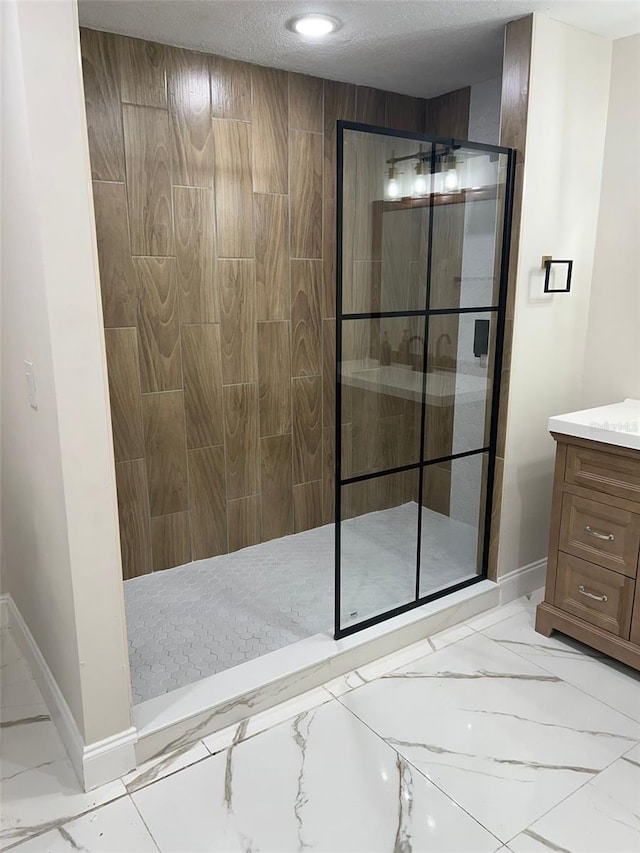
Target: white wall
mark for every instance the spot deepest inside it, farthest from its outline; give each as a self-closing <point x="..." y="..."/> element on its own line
<point x="567" y="115"/>
<point x="60" y="547"/>
<point x="612" y="363"/>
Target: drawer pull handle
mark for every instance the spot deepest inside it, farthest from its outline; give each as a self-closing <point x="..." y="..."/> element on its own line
<point x="583" y="591"/>
<point x="609" y="537"/>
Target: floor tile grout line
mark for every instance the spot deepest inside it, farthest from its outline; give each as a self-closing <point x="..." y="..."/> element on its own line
<point x="417" y="769"/>
<point x="146" y="825"/>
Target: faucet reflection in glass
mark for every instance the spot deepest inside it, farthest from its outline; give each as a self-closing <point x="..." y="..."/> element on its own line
<point x="415" y="354"/>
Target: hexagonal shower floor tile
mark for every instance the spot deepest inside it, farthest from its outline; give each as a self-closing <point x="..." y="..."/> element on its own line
<point x="199" y="619"/>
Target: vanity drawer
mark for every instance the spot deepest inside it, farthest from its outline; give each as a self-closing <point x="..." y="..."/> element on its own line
<point x="605" y="472"/>
<point x="600" y="533"/>
<point x="594" y="594"/>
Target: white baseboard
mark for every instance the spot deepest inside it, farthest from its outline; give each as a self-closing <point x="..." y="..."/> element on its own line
<point x="96" y="763"/>
<point x="522" y="581"/>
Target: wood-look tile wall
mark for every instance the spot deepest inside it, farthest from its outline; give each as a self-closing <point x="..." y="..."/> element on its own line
<point x="214" y="192"/>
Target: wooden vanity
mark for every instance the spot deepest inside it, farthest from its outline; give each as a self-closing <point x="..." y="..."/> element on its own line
<point x="593" y="590"/>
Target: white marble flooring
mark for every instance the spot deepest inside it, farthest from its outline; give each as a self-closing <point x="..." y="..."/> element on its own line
<point x="486" y="737"/>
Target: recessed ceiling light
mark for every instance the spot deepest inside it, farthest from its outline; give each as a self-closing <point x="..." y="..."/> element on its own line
<point x="314" y="26"/>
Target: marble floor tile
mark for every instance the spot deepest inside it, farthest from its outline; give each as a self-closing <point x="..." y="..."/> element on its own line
<point x="164" y="765"/>
<point x="264" y="720"/>
<point x="598" y="675"/>
<point x="322" y="781"/>
<point x="502" y="737"/>
<point x="526" y="603"/>
<point x="602" y="816"/>
<point x="114" y="828"/>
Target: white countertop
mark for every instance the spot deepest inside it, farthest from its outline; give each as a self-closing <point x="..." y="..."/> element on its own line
<point x="618" y="424"/>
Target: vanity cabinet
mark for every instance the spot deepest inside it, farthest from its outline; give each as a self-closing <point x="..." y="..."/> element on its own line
<point x="592" y="591"/>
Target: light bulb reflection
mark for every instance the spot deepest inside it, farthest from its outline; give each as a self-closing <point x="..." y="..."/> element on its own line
<point x="451" y="180"/>
<point x="393" y="188"/>
<point x="420" y="185"/>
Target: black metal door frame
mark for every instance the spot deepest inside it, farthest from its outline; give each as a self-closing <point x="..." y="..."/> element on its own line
<point x="419" y="466"/>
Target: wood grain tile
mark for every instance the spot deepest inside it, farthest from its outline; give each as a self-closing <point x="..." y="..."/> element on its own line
<point x="269" y="119"/>
<point x="190" y="116"/>
<point x="170" y="541"/>
<point x="208" y="504"/>
<point x="230" y="89"/>
<point x="305" y="103"/>
<point x="158" y="326"/>
<point x="117" y="276"/>
<point x="276" y="497"/>
<point x="306" y="394"/>
<point x="102" y="104"/>
<point x="272" y="256"/>
<point x="329" y="259"/>
<point x="234" y="194"/>
<point x="165" y="451"/>
<point x="195" y="255"/>
<point x="243" y="522"/>
<point x="306" y="331"/>
<point x="403" y="112"/>
<point x="143" y="79"/>
<point x="448" y="115"/>
<point x="515" y="85"/>
<point x="133" y="513"/>
<point x="339" y="103"/>
<point x="201" y="361"/>
<point x="238" y="325"/>
<point x="124" y="393"/>
<point x="370" y="106"/>
<point x="241" y="440"/>
<point x="146" y="144"/>
<point x="274" y="372"/>
<point x="306" y="194"/>
<point x="307" y="506"/>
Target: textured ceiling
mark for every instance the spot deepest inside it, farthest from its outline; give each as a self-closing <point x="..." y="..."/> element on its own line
<point x="417" y="47"/>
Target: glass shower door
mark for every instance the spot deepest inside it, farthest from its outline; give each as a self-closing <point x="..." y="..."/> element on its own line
<point x="421" y="278"/>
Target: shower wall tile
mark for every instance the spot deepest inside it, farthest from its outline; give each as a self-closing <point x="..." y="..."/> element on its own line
<point x="238" y="323"/>
<point x="339" y="103"/>
<point x="234" y="193"/>
<point x="276" y="485"/>
<point x="148" y="162"/>
<point x="124" y="393"/>
<point x="269" y="118"/>
<point x="329" y="259"/>
<point x="274" y="372"/>
<point x="306" y="393"/>
<point x="243" y="522"/>
<point x="195" y="255"/>
<point x="170" y="541"/>
<point x="403" y="112"/>
<point x="165" y="451"/>
<point x="230" y="88"/>
<point x="143" y="78"/>
<point x="306" y="323"/>
<point x="133" y="511"/>
<point x="307" y="506"/>
<point x="208" y="502"/>
<point x="102" y="102"/>
<point x="272" y="256"/>
<point x="117" y="276"/>
<point x="190" y="116"/>
<point x="306" y="194"/>
<point x="241" y="440"/>
<point x="305" y="103"/>
<point x="370" y="105"/>
<point x="158" y="325"/>
<point x="448" y="115"/>
<point x="215" y="215"/>
<point x="203" y="401"/>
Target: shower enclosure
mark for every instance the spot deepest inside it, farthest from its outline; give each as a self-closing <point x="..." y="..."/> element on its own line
<point x="422" y="249"/>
